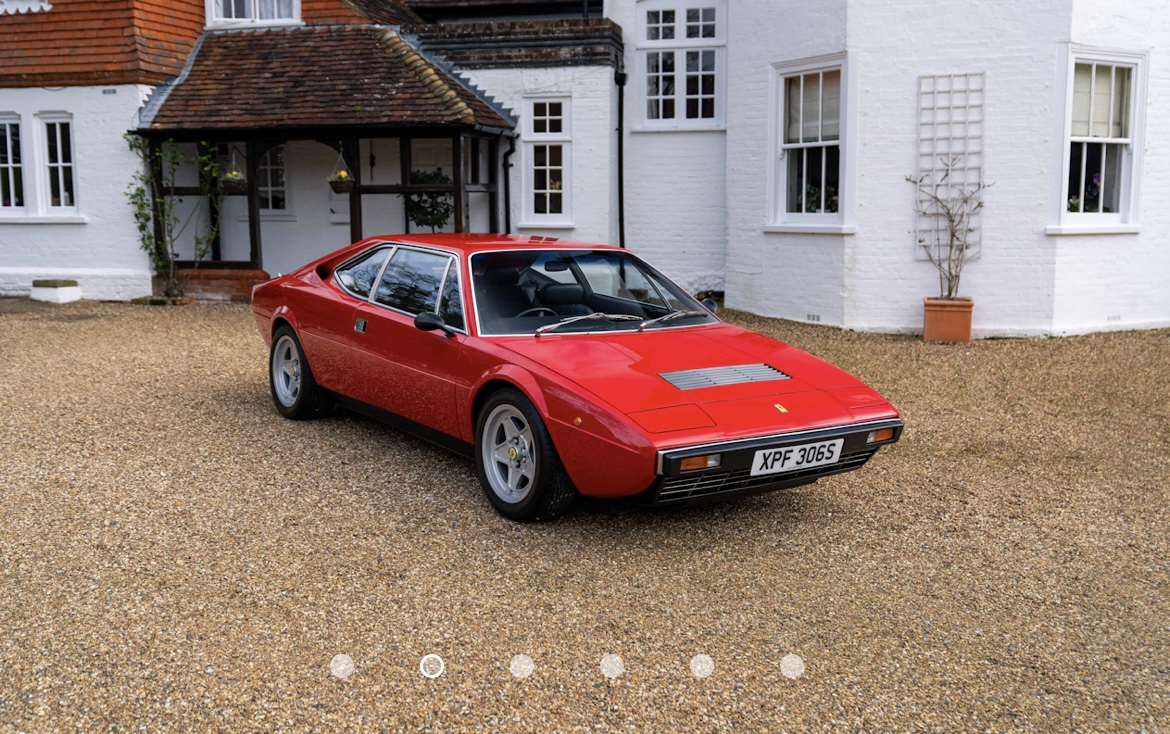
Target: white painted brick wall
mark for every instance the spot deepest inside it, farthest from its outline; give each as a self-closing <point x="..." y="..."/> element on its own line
<point x="100" y="250"/>
<point x="1027" y="281"/>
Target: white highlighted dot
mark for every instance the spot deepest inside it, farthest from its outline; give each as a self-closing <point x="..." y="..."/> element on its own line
<point x="612" y="666"/>
<point x="521" y="666"/>
<point x="431" y="666"/>
<point x="341" y="666"/>
<point x="702" y="666"/>
<point x="792" y="666"/>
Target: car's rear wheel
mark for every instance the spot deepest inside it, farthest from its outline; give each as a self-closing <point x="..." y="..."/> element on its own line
<point x="294" y="391"/>
<point x="518" y="466"/>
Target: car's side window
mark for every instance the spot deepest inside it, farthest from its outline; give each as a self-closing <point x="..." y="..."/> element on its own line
<point x="451" y="305"/>
<point x="358" y="276"/>
<point x="412" y="280"/>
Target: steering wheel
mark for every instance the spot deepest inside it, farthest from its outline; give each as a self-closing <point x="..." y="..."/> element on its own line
<point x="536" y="311"/>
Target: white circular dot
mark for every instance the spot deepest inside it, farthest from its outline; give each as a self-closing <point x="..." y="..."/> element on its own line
<point x="431" y="666"/>
<point x="702" y="666"/>
<point x="341" y="666"/>
<point x="612" y="666"/>
<point x="792" y="666"/>
<point x="521" y="666"/>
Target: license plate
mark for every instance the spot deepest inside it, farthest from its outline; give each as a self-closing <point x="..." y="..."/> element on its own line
<point x="792" y="458"/>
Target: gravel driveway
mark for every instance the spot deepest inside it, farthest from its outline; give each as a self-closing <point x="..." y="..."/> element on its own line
<point x="175" y="556"/>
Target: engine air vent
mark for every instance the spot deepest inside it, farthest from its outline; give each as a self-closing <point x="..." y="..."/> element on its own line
<point x="715" y="376"/>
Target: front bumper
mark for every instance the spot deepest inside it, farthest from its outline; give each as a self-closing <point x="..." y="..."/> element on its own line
<point x="733" y="477"/>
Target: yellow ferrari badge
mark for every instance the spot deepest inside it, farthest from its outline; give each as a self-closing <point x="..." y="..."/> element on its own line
<point x="780" y="408"/>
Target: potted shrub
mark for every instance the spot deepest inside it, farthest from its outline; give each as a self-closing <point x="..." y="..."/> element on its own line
<point x="947" y="206"/>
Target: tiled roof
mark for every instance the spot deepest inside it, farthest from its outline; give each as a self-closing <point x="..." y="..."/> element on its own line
<point x="383" y="12"/>
<point x="529" y="43"/>
<point x="90" y="42"/>
<point x="312" y="77"/>
<point x="456" y="9"/>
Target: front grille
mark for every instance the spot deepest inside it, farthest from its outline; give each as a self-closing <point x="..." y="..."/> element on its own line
<point x="680" y="489"/>
<point x="730" y="375"/>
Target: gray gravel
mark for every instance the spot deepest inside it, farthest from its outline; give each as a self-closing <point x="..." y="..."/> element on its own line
<point x="175" y="556"/>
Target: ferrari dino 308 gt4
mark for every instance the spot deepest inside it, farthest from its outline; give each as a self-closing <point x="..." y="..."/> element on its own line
<point x="561" y="367"/>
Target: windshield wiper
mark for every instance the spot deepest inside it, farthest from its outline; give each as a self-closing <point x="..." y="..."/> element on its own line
<point x="587" y="317"/>
<point x="670" y="317"/>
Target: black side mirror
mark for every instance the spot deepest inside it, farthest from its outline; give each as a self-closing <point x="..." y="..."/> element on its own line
<point x="431" y="321"/>
<point x="711" y="305"/>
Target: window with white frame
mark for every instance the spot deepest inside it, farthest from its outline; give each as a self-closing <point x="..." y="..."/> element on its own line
<point x="681" y="63"/>
<point x="547" y="154"/>
<point x="270" y="181"/>
<point x="810" y="186"/>
<point x="11" y="169"/>
<point x="257" y="12"/>
<point x="62" y="186"/>
<point x="1100" y="138"/>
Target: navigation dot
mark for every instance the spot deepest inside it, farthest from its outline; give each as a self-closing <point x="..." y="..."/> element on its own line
<point x="702" y="666"/>
<point x="431" y="666"/>
<point x="612" y="666"/>
<point x="521" y="666"/>
<point x="792" y="666"/>
<point x="341" y="666"/>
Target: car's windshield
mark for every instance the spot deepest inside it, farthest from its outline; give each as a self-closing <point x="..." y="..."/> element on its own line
<point x="523" y="291"/>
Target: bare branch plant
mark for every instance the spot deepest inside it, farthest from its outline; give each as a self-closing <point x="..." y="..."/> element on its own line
<point x="951" y="207"/>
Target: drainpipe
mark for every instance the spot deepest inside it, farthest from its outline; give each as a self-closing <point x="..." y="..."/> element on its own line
<point x="508" y="186"/>
<point x="619" y="78"/>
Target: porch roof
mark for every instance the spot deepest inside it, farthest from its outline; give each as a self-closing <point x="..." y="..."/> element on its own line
<point x="313" y="77"/>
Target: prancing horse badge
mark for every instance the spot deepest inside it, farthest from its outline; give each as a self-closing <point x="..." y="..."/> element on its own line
<point x="780" y="408"/>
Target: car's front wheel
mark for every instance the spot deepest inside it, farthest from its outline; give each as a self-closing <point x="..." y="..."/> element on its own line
<point x="517" y="463"/>
<point x="294" y="391"/>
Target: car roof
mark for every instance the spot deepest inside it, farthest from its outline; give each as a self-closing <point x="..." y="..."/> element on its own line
<point x="469" y="244"/>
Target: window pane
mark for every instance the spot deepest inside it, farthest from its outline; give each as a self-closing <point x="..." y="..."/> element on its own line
<point x="792" y="109"/>
<point x="539" y="125"/>
<point x="51" y="139"/>
<point x="1082" y="88"/>
<point x="358" y="277"/>
<point x="831" y="106"/>
<point x="451" y="306"/>
<point x="1121" y="102"/>
<point x="66" y="143"/>
<point x="555" y="125"/>
<point x="554" y="204"/>
<point x="810" y="128"/>
<point x="540" y="179"/>
<point x="411" y="282"/>
<point x="540" y="203"/>
<point x="554" y="155"/>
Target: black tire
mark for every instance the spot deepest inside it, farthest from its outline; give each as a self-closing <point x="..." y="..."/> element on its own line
<point x="294" y="391"/>
<point x="517" y="463"/>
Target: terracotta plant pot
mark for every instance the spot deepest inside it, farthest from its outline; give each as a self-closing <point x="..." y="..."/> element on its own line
<point x="341" y="187"/>
<point x="947" y="320"/>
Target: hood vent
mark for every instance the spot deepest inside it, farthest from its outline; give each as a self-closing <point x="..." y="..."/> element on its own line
<point x="716" y="376"/>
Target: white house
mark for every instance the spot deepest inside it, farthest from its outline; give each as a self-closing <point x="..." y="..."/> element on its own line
<point x="758" y="147"/>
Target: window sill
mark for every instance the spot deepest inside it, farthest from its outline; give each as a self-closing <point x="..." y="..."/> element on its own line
<point x="711" y="128"/>
<point x="1075" y="229"/>
<point x="811" y="228"/>
<point x="273" y="217"/>
<point x="219" y="25"/>
<point x="50" y="219"/>
<point x="546" y="225"/>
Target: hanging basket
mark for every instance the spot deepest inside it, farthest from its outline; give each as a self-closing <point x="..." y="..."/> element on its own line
<point x="234" y="182"/>
<point x="341" y="180"/>
<point x="234" y="186"/>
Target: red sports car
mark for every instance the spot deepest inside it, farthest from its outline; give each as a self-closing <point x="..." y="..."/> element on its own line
<point x="561" y="367"/>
